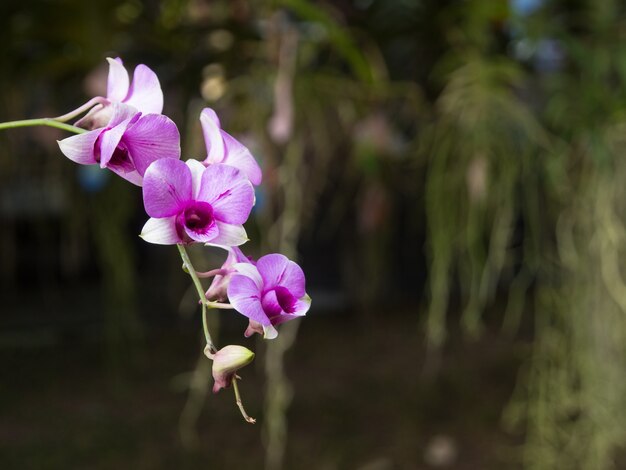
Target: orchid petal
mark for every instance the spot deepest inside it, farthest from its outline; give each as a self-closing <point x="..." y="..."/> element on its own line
<point x="250" y="271"/>
<point x="239" y="256"/>
<point x="279" y="320"/>
<point x="239" y="156"/>
<point x="302" y="306"/>
<point x="229" y="235"/>
<point x="228" y="191"/>
<point x="80" y="148"/>
<point x="269" y="332"/>
<point x="270" y="304"/>
<point x="166" y="187"/>
<point x="121" y="112"/>
<point x="212" y="136"/>
<point x="129" y="175"/>
<point x="117" y="83"/>
<point x="203" y="236"/>
<point x="161" y="231"/>
<point x="243" y="294"/>
<point x="197" y="169"/>
<point x="97" y="117"/>
<point x="151" y="138"/>
<point x="145" y="92"/>
<point x="109" y="141"/>
<point x="278" y="270"/>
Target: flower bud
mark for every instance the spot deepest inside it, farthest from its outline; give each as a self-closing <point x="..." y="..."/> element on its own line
<point x="226" y="362"/>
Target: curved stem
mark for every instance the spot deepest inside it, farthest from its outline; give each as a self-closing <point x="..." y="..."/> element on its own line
<point x="196" y="281"/>
<point x="213" y="272"/>
<point x="240" y="404"/>
<point x="41" y="122"/>
<point x="80" y="110"/>
<point x="218" y="305"/>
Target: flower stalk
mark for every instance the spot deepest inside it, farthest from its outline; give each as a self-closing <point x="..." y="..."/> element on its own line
<point x="51" y="122"/>
<point x="196" y="282"/>
<point x="80" y="110"/>
<point x="248" y="419"/>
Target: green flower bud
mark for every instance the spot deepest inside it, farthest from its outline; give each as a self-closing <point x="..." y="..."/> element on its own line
<point x="226" y="362"/>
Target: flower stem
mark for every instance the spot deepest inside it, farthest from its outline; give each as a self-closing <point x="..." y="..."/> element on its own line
<point x="240" y="404"/>
<point x="196" y="281"/>
<point x="213" y="272"/>
<point x="41" y="122"/>
<point x="80" y="110"/>
<point x="218" y="305"/>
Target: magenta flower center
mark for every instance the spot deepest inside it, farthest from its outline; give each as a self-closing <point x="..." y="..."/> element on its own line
<point x="197" y="217"/>
<point x="285" y="301"/>
<point x="121" y="159"/>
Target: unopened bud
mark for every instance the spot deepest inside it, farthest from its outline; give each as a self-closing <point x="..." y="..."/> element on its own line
<point x="226" y="362"/>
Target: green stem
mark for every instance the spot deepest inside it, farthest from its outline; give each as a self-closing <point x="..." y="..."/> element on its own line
<point x="212" y="304"/>
<point x="240" y="403"/>
<point x="196" y="282"/>
<point x="41" y="122"/>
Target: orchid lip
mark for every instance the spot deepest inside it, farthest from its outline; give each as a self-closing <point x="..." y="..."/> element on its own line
<point x="197" y="217"/>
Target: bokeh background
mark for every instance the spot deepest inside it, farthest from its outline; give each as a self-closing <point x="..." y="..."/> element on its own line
<point x="451" y="176"/>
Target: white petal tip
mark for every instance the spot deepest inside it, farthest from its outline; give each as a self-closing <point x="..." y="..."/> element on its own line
<point x="269" y="332"/>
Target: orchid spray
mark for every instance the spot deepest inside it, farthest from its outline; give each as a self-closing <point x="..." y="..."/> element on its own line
<point x="192" y="202"/>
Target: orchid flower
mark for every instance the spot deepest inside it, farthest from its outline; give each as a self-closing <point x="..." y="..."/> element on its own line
<point x="127" y="145"/>
<point x="223" y="148"/>
<point x="268" y="293"/>
<point x="217" y="289"/>
<point x="143" y="94"/>
<point x="188" y="203"/>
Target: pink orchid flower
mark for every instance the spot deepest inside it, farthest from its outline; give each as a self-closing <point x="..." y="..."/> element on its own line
<point x="223" y="148"/>
<point x="190" y="203"/>
<point x="268" y="293"/>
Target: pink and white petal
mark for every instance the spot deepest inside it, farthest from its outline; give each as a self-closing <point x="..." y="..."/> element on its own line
<point x="243" y="295"/>
<point x="239" y="156"/>
<point x="131" y="176"/>
<point x="302" y="306"/>
<point x="145" y="92"/>
<point x="121" y="112"/>
<point x="117" y="83"/>
<point x="269" y="332"/>
<point x="240" y="257"/>
<point x="251" y="272"/>
<point x="109" y="140"/>
<point x="270" y="304"/>
<point x="228" y="191"/>
<point x="196" y="169"/>
<point x="212" y="136"/>
<point x="279" y="320"/>
<point x="151" y="138"/>
<point x="229" y="235"/>
<point x="80" y="148"/>
<point x="273" y="268"/>
<point x="293" y="279"/>
<point x="97" y="117"/>
<point x="166" y="187"/>
<point x="278" y="270"/>
<point x="203" y="237"/>
<point x="161" y="231"/>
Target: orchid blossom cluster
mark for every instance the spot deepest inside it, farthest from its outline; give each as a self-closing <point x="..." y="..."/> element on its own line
<point x="188" y="202"/>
